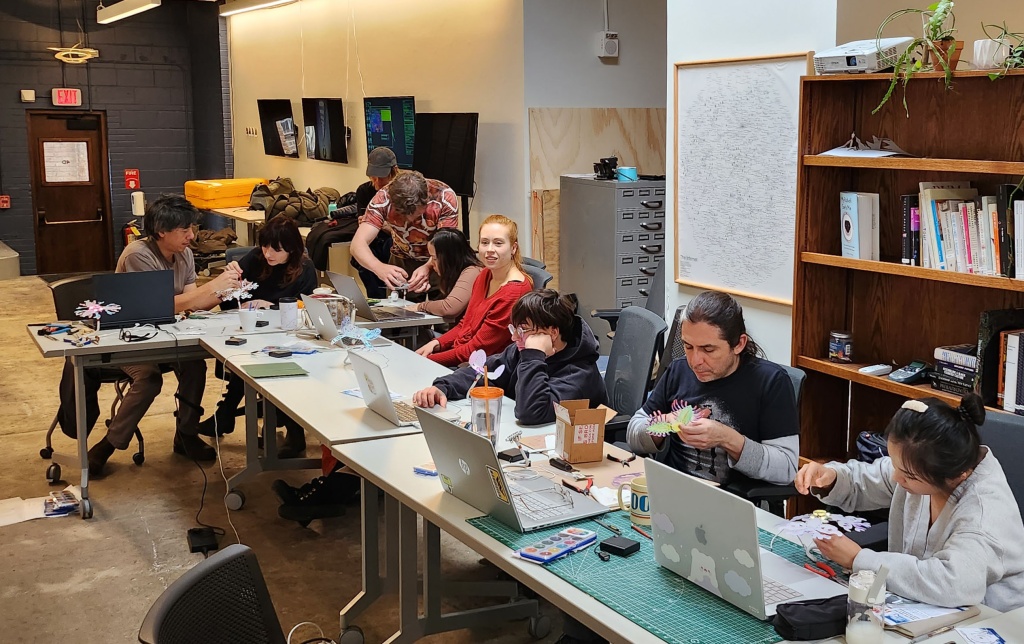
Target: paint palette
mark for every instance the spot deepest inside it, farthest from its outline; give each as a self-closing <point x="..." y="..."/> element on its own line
<point x="558" y="545"/>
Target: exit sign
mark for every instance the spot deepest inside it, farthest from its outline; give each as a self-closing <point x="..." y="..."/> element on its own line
<point x="66" y="97"/>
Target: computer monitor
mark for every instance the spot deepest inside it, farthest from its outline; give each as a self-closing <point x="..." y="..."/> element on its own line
<point x="280" y="135"/>
<point x="324" y="122"/>
<point x="446" y="149"/>
<point x="391" y="122"/>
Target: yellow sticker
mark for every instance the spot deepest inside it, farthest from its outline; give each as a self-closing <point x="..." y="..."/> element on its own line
<point x="447" y="484"/>
<point x="499" y="485"/>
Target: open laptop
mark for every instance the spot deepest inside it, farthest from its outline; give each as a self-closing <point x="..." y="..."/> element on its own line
<point x="323" y="322"/>
<point x="709" y="536"/>
<point x="146" y="297"/>
<point x="377" y="396"/>
<point x="469" y="469"/>
<point x="346" y="285"/>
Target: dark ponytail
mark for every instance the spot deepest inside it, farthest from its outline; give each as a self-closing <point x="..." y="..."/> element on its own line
<point x="720" y="310"/>
<point x="940" y="443"/>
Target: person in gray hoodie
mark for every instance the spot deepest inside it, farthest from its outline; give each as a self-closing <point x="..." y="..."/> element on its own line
<point x="552" y="356"/>
<point x="955" y="531"/>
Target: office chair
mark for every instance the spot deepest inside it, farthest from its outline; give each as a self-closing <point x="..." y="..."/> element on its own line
<point x="655" y="294"/>
<point x="529" y="261"/>
<point x="630" y="363"/>
<point x="538" y="276"/>
<point x="236" y="253"/>
<point x="222" y="600"/>
<point x="67" y="295"/>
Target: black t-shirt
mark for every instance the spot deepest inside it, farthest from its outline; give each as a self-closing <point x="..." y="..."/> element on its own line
<point x="756" y="400"/>
<point x="364" y="194"/>
<point x="272" y="288"/>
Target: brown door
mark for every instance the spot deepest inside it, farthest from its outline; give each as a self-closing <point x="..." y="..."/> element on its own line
<point x="70" y="191"/>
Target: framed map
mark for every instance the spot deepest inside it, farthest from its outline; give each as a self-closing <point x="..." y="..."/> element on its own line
<point x="736" y="164"/>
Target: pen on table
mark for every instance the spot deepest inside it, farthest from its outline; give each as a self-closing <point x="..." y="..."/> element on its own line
<point x="611" y="527"/>
<point x="642" y="532"/>
<point x="937" y="631"/>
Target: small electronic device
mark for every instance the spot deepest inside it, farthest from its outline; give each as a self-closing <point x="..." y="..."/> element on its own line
<point x="202" y="540"/>
<point x="604" y="555"/>
<point x="512" y="455"/>
<point x="278" y="353"/>
<point x="260" y="323"/>
<point x="914" y="372"/>
<point x="558" y="545"/>
<point x="560" y="463"/>
<point x="235" y="342"/>
<point x="620" y="546"/>
<point x="876" y="370"/>
<point x="861" y="56"/>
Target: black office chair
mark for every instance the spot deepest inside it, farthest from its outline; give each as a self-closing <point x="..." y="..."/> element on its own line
<point x="236" y="253"/>
<point x="538" y="276"/>
<point x="770" y="496"/>
<point x="529" y="261"/>
<point x="654" y="303"/>
<point x="630" y="363"/>
<point x="67" y="295"/>
<point x="222" y="600"/>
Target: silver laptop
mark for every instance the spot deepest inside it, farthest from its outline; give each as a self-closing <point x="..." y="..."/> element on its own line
<point x="322" y="320"/>
<point x="346" y="285"/>
<point x="709" y="536"/>
<point x="520" y="498"/>
<point x="378" y="397"/>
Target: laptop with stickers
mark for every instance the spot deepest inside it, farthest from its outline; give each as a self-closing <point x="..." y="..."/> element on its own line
<point x="520" y="497"/>
<point x="709" y="536"/>
<point x="346" y="285"/>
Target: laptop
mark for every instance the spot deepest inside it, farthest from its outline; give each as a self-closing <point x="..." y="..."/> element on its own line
<point x="469" y="469"/>
<point x="375" y="391"/>
<point x="346" y="285"/>
<point x="146" y="297"/>
<point x="709" y="536"/>
<point x="323" y="322"/>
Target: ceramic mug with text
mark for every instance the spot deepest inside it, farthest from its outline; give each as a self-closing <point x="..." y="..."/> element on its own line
<point x="639" y="506"/>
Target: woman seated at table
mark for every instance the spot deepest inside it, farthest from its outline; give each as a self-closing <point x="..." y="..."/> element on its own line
<point x="955" y="532"/>
<point x="553" y="357"/>
<point x="457" y="266"/>
<point x="496" y="289"/>
<point x="280" y="269"/>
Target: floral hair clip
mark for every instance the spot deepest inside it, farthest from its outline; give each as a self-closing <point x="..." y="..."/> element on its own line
<point x="915" y="405"/>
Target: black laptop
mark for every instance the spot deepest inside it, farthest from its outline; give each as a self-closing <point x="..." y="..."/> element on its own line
<point x="146" y="297"/>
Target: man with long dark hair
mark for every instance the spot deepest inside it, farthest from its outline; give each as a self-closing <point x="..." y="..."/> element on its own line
<point x="745" y="415"/>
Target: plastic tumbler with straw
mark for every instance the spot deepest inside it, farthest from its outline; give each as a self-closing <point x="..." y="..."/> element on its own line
<point x="486" y="410"/>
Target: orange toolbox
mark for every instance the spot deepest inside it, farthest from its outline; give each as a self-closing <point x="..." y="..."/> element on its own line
<point x="220" y="193"/>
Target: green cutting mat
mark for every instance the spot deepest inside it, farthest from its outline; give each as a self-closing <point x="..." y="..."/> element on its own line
<point x="672" y="608"/>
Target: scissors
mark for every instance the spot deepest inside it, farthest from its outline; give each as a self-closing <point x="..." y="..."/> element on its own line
<point x="826" y="571"/>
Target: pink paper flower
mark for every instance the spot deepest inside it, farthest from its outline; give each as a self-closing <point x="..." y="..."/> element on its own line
<point x="94" y="309"/>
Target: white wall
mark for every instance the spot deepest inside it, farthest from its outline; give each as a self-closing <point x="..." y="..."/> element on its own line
<point x="452" y="55"/>
<point x="701" y="30"/>
<point x="562" y="67"/>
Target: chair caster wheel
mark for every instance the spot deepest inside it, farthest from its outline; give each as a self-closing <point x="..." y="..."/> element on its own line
<point x="46" y="453"/>
<point x="235" y="500"/>
<point x="53" y="473"/>
<point x="539" y="627"/>
<point x="86" y="508"/>
<point x="138" y="458"/>
<point x="352" y="635"/>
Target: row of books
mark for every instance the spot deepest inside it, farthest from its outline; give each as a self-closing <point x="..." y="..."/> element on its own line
<point x="947" y="226"/>
<point x="1010" y="394"/>
<point x="956" y="369"/>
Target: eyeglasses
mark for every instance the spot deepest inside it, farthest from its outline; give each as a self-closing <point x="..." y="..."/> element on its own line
<point x="520" y="331"/>
<point x="137" y="333"/>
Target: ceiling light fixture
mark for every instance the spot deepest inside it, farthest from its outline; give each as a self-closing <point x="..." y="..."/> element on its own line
<point x="123" y="9"/>
<point x="241" y="6"/>
<point x="75" y="55"/>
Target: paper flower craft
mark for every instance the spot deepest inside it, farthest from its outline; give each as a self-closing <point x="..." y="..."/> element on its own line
<point x="819" y="525"/>
<point x="478" y="361"/>
<point x="93" y="309"/>
<point x="350" y="335"/>
<point x="243" y="292"/>
<point x="665" y="424"/>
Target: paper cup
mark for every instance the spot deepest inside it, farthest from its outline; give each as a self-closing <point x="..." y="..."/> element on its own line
<point x="247" y="319"/>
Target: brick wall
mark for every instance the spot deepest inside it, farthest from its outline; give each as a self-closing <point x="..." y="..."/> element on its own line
<point x="143" y="80"/>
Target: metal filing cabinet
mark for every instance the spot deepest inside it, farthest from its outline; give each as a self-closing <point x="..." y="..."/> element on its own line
<point x="612" y="237"/>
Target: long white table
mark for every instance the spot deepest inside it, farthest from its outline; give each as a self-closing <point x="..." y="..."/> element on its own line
<point x="388" y="465"/>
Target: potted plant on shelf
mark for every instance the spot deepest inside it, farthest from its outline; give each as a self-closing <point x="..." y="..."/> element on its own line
<point x="935" y="49"/>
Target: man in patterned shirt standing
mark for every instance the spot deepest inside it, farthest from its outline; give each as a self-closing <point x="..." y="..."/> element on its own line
<point x="413" y="208"/>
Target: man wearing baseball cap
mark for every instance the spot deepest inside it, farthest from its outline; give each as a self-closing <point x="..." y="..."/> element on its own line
<point x="413" y="207"/>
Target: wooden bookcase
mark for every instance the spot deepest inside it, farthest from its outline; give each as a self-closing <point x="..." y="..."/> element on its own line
<point x="896" y="313"/>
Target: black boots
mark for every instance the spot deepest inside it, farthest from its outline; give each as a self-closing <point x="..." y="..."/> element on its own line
<point x="98" y="456"/>
<point x="193" y="447"/>
<point x="323" y="497"/>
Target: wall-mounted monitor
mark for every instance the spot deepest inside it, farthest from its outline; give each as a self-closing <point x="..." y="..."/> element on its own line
<point x="324" y="122"/>
<point x="391" y="122"/>
<point x="280" y="135"/>
<point x="446" y="149"/>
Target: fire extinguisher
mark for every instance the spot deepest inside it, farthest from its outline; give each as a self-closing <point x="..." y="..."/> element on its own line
<point x="130" y="232"/>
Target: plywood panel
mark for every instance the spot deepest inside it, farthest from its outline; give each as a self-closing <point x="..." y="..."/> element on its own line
<point x="544" y="205"/>
<point x="570" y="140"/>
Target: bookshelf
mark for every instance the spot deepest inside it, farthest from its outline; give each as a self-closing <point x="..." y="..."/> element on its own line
<point x="896" y="313"/>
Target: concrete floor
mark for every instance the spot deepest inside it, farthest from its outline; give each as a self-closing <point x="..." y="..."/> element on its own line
<point x="68" y="580"/>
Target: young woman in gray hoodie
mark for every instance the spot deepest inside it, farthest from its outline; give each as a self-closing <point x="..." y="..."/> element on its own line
<point x="955" y="532"/>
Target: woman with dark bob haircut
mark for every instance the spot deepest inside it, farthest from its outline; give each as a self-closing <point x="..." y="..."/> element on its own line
<point x="280" y="268"/>
<point x="457" y="266"/>
<point x="955" y="532"/>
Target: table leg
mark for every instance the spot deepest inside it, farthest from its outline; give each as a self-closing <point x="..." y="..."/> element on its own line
<point x="83" y="437"/>
<point x="373" y="581"/>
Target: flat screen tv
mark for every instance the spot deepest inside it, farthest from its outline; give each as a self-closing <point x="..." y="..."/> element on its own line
<point x="391" y="122"/>
<point x="446" y="149"/>
<point x="280" y="135"/>
<point x="324" y="122"/>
